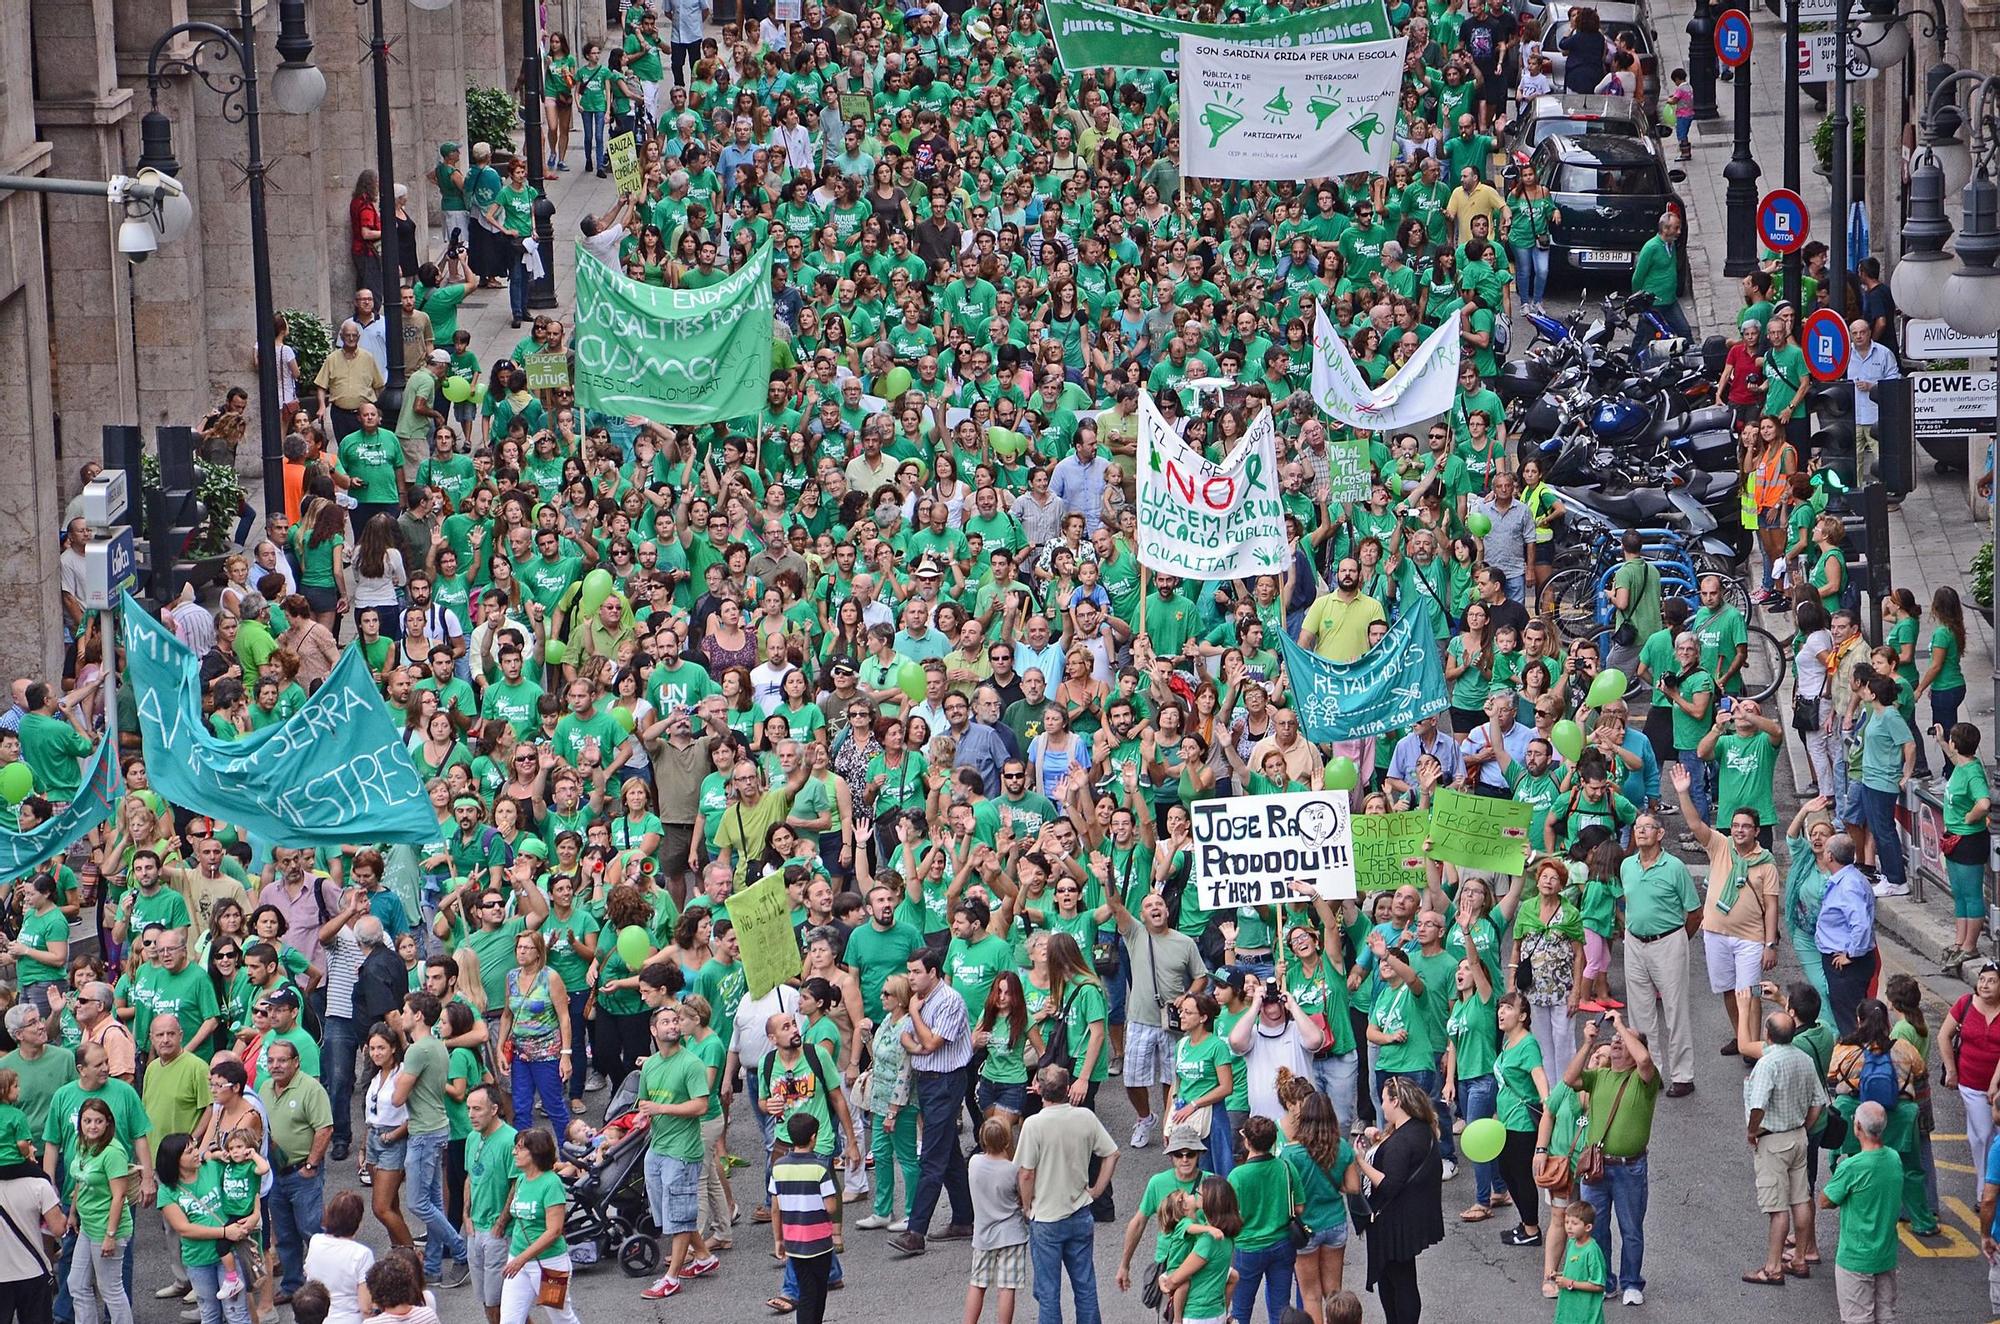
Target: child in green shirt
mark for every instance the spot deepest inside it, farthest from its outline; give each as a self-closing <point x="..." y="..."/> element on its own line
<point x="1580" y="1284"/>
<point x="15" y="1134"/>
<point x="243" y="1170"/>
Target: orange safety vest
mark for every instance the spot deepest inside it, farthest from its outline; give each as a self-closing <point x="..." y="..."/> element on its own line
<point x="1774" y="477"/>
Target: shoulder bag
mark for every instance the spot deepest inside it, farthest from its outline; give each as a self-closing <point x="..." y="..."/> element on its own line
<point x="1590" y="1163"/>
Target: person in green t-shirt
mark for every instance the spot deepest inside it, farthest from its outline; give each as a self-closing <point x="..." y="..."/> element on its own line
<point x="673" y="1096"/>
<point x="533" y="1225"/>
<point x="1968" y="806"/>
<point x="1579" y="1279"/>
<point x="190" y="1200"/>
<point x="1867" y="1188"/>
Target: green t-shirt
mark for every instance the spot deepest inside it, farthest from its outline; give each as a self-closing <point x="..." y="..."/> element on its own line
<point x="1745" y="766"/>
<point x="1158" y="1187"/>
<point x="1949" y="676"/>
<point x="1264" y="1197"/>
<point x="1966" y="787"/>
<point x="489" y="1163"/>
<point x="51" y="747"/>
<point x="200" y="1203"/>
<point x="798" y="1086"/>
<point x="1689" y="730"/>
<point x="674" y="1078"/>
<point x="713" y="1051"/>
<point x="91" y="1190"/>
<point x="527" y="1214"/>
<point x="41" y="931"/>
<point x="1398" y="1008"/>
<point x="1196" y="1067"/>
<point x="429" y="1063"/>
<point x="1208" y="1285"/>
<point x="1868" y="1188"/>
<point x="1882" y="741"/>
<point x="875" y="954"/>
<point x="1631" y="1128"/>
<point x="1517" y="1099"/>
<point x="375" y="461"/>
<point x="1583" y="1262"/>
<point x="1641" y="583"/>
<point x="973" y="966"/>
<point x="1086" y="1005"/>
<point x="465" y="1066"/>
<point x="1475" y="1036"/>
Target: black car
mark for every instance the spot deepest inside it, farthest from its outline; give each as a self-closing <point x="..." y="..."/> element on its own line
<point x="1611" y="193"/>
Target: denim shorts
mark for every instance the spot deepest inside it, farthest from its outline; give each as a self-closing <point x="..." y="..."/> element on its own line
<point x="386" y="1154"/>
<point x="673" y="1189"/>
<point x="1012" y="1098"/>
<point x="1328" y="1238"/>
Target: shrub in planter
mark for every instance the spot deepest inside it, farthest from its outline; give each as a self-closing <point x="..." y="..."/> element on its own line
<point x="490" y="117"/>
<point x="310" y="338"/>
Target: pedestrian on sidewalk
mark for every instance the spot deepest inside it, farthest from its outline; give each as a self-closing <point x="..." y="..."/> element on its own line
<point x="1888" y="760"/>
<point x="1845" y="934"/>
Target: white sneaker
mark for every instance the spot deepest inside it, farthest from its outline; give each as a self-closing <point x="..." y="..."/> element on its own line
<point x="872" y="1223"/>
<point x="232" y="1286"/>
<point x="1450" y="1169"/>
<point x="900" y="1225"/>
<point x="1634" y="1297"/>
<point x="1887" y="888"/>
<point x="1142" y="1132"/>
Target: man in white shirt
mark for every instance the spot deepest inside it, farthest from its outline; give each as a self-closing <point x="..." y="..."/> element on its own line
<point x="602" y="235"/>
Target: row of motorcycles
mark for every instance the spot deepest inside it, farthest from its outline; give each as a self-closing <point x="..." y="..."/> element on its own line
<point x="1612" y="403"/>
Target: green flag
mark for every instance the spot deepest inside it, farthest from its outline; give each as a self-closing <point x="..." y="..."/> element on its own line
<point x="1091" y="35"/>
<point x="674" y="356"/>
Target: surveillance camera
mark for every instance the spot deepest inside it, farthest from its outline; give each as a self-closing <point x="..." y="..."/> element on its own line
<point x="137" y="240"/>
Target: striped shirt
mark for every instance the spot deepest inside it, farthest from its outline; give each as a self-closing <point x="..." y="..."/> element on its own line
<point x="800" y="1185"/>
<point x="944" y="1011"/>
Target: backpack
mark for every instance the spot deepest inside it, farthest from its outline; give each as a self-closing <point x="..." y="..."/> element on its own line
<point x="806" y="1050"/>
<point x="1877" y="1083"/>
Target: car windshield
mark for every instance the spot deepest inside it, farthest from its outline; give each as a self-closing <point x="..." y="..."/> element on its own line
<point x="1543" y="130"/>
<point x="1613" y="180"/>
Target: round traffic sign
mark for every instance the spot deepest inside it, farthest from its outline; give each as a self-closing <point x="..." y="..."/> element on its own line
<point x="1732" y="38"/>
<point x="1823" y="337"/>
<point x="1782" y="221"/>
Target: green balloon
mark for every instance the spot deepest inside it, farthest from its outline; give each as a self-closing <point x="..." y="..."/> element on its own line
<point x="597" y="586"/>
<point x="1483" y="1140"/>
<point x="910" y="679"/>
<point x="457" y="390"/>
<point x="894" y="382"/>
<point x="555" y="652"/>
<point x="1567" y="737"/>
<point x="1007" y="443"/>
<point x="1479" y="524"/>
<point x="1342" y="775"/>
<point x="623" y="716"/>
<point x="633" y="946"/>
<point x="1609" y="687"/>
<point x="17" y="782"/>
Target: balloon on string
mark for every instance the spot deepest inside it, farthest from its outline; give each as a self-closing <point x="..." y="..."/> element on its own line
<point x="1006" y="442"/>
<point x="633" y="946"/>
<point x="1567" y="737"/>
<point x="910" y="679"/>
<point x="597" y="586"/>
<point x="1342" y="775"/>
<point x="623" y="716"/>
<point x="17" y="782"/>
<point x="1609" y="687"/>
<point x="457" y="390"/>
<point x="1479" y="524"/>
<point x="555" y="652"/>
<point x="894" y="382"/>
<point x="1483" y="1140"/>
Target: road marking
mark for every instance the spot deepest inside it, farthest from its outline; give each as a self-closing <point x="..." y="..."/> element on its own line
<point x="1949" y="1166"/>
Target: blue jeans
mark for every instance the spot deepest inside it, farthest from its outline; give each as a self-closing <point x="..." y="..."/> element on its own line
<point x="1339" y="1078"/>
<point x="940" y="1163"/>
<point x="336" y="1051"/>
<point x="594" y="155"/>
<point x="545" y="1079"/>
<point x="579" y="1047"/>
<point x="1531" y="272"/>
<point x="1476" y="1099"/>
<point x="424" y="1173"/>
<point x="1697" y="768"/>
<point x="1222" y="1126"/>
<point x="1060" y="1247"/>
<point x="1879" y="809"/>
<point x="517" y="290"/>
<point x="207" y="1280"/>
<point x="65" y="1309"/>
<point x="298" y="1208"/>
<point x="1623" y="1190"/>
<point x="1273" y="1265"/>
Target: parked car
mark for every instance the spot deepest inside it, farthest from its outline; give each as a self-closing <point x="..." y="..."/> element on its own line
<point x="1571" y="115"/>
<point x="1611" y="192"/>
<point x="1614" y="18"/>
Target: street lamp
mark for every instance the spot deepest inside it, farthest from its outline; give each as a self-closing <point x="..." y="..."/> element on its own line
<point x="298" y="87"/>
<point x="542" y="290"/>
<point x="1968" y="299"/>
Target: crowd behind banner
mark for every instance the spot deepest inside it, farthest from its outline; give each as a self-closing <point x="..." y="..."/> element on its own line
<point x="854" y="743"/>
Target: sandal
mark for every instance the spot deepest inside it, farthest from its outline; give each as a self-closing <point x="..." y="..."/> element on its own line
<point x="1501" y="1201"/>
<point x="780" y="1305"/>
<point x="1478" y="1213"/>
<point x="1798" y="1268"/>
<point x="1763" y="1278"/>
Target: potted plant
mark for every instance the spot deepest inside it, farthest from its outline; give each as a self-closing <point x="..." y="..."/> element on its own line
<point x="310" y="339"/>
<point x="222" y="493"/>
<point x="491" y="117"/>
<point x="1982" y="580"/>
<point x="1857" y="142"/>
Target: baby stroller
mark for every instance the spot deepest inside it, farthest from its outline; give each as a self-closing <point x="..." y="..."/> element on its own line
<point x="608" y="1212"/>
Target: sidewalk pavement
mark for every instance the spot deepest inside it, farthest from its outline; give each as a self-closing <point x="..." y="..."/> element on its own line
<point x="1933" y="537"/>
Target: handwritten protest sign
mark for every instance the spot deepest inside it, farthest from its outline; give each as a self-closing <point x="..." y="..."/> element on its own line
<point x="1259" y="849"/>
<point x="1204" y="520"/>
<point x="763" y="918"/>
<point x="1475" y="832"/>
<point x="1389" y="850"/>
<point x="1349" y="475"/>
<point x="625" y="173"/>
<point x="546" y="371"/>
<point x="1386" y="689"/>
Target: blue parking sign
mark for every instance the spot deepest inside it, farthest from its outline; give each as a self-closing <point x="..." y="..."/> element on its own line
<point x="1781" y="221"/>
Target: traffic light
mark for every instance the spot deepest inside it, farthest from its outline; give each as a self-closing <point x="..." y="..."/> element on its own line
<point x="174" y="514"/>
<point x="1833" y="431"/>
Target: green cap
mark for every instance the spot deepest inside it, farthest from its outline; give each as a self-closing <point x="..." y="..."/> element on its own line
<point x="447" y="148"/>
<point x="536" y="847"/>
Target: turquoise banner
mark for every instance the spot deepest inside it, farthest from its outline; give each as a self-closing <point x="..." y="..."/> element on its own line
<point x="334" y="773"/>
<point x="21" y="853"/>
<point x="1385" y="689"/>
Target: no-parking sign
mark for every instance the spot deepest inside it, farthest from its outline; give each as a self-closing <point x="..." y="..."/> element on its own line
<point x="1781" y="221"/>
<point x="1733" y="39"/>
<point x="1823" y="337"/>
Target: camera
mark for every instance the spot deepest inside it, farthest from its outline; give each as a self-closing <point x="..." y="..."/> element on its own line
<point x="137" y="240"/>
<point x="1170" y="1013"/>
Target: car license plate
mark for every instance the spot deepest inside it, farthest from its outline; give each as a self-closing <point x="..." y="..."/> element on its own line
<point x="1602" y="257"/>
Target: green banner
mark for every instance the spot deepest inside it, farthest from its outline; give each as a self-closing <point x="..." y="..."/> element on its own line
<point x="1386" y="689"/>
<point x="22" y="853"/>
<point x="1091" y="35"/>
<point x="334" y="773"/>
<point x="1389" y="850"/>
<point x="1478" y="832"/>
<point x="674" y="356"/>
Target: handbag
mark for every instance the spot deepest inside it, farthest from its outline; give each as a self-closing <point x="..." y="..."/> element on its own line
<point x="1150" y="1295"/>
<point x="1805" y="715"/>
<point x="555" y="1289"/>
<point x="1554" y="1174"/>
<point x="1590" y="1164"/>
<point x="1296" y="1230"/>
<point x="1833" y="1133"/>
<point x="1056" y="1051"/>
